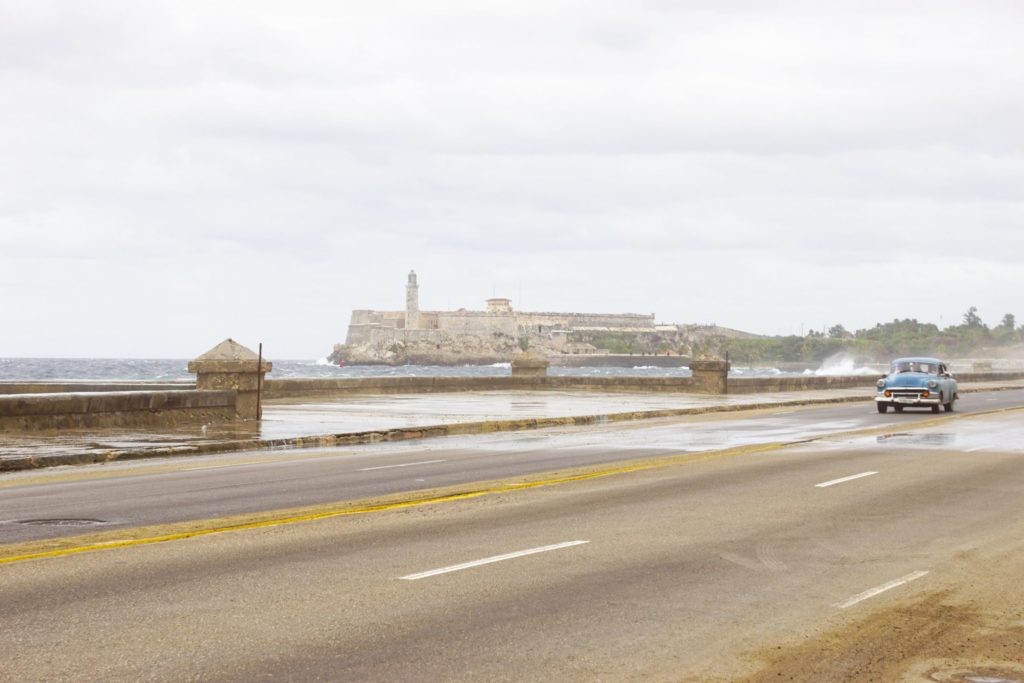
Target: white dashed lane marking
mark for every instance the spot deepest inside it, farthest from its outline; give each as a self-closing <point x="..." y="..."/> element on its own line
<point x="404" y="464"/>
<point x="872" y="592"/>
<point x="840" y="481"/>
<point x="490" y="560"/>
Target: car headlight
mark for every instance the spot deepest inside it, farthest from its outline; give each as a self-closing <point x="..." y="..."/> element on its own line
<point x="932" y="384"/>
<point x="880" y="384"/>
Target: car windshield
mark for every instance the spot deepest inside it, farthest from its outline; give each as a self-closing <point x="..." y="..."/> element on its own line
<point x="912" y="366"/>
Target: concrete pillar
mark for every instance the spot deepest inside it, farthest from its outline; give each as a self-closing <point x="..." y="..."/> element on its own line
<point x="710" y="376"/>
<point x="229" y="365"/>
<point x="528" y="364"/>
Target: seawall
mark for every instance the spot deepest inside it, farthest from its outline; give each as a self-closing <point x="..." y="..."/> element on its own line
<point x="39" y="411"/>
<point x="321" y="387"/>
<point x="43" y="405"/>
<point x="616" y="360"/>
<point x="292" y="388"/>
<point x="57" y="387"/>
<point x="297" y="388"/>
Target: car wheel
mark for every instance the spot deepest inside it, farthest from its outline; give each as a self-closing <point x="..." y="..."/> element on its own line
<point x="898" y="409"/>
<point x="882" y="407"/>
<point x="949" y="406"/>
<point x="935" y="408"/>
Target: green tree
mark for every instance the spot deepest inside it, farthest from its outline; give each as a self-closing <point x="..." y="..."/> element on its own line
<point x="838" y="332"/>
<point x="972" y="319"/>
<point x="1006" y="332"/>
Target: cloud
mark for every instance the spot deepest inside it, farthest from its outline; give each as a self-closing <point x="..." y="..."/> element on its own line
<point x="705" y="160"/>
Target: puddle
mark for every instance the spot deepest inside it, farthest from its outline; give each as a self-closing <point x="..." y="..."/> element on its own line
<point x="976" y="675"/>
<point x="61" y="522"/>
<point x="917" y="439"/>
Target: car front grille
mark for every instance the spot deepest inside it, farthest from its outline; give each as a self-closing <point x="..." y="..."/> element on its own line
<point x="907" y="393"/>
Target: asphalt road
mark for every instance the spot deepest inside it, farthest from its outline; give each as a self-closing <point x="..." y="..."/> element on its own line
<point x="698" y="567"/>
<point x="141" y="493"/>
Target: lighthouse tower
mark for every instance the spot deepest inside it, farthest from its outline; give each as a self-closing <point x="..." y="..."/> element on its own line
<point x="412" y="303"/>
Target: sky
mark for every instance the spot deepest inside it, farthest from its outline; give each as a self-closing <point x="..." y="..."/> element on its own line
<point x="174" y="173"/>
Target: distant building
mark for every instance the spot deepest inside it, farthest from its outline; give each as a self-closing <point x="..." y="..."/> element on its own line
<point x="499" y="305"/>
<point x="498" y="319"/>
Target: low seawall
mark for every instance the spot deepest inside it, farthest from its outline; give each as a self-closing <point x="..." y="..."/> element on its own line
<point x="38" y="411"/>
<point x="298" y="388"/>
<point x="58" y="387"/>
<point x="765" y="385"/>
<point x="32" y="410"/>
<point x="768" y="385"/>
<point x="617" y="361"/>
<point x="325" y="387"/>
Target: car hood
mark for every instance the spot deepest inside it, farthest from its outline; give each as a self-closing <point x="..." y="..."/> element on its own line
<point x="908" y="379"/>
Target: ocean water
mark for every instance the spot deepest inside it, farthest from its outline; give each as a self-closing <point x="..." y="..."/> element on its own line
<point x="167" y="370"/>
<point x="162" y="369"/>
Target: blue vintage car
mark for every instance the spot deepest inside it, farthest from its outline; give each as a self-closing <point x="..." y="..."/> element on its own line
<point x="917" y="382"/>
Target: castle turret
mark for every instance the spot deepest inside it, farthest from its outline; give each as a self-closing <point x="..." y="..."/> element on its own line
<point x="499" y="305"/>
<point x="412" y="303"/>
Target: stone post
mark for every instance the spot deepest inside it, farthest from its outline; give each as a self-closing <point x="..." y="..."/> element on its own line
<point x="710" y="376"/>
<point x="229" y="365"/>
<point x="528" y="364"/>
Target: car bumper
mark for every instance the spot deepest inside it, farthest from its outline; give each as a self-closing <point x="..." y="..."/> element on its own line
<point x="933" y="400"/>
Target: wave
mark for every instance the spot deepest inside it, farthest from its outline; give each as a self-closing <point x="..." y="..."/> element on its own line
<point x="756" y="372"/>
<point x="840" y="364"/>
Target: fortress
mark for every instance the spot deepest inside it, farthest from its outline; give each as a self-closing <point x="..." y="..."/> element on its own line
<point x="462" y="336"/>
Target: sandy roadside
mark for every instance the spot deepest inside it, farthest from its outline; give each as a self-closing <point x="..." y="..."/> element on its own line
<point x="968" y="628"/>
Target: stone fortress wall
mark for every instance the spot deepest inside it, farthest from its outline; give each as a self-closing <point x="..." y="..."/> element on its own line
<point x="476" y="323"/>
<point x="490" y="335"/>
<point x="577" y="321"/>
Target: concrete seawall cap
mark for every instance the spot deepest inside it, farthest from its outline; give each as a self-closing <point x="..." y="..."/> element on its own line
<point x="228" y="356"/>
<point x="529" y="364"/>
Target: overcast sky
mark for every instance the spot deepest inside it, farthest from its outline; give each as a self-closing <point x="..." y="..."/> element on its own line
<point x="174" y="173"/>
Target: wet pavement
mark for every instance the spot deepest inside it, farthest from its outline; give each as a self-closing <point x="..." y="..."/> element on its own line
<point x="715" y="538"/>
<point x="297" y="418"/>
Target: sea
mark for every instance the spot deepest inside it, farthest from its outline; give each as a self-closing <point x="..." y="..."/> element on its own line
<point x="167" y="370"/>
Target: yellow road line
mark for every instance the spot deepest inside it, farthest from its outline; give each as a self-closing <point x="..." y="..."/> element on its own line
<point x="218" y="526"/>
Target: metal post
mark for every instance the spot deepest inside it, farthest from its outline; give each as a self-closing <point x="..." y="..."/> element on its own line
<point x="259" y="383"/>
<point x="725" y="382"/>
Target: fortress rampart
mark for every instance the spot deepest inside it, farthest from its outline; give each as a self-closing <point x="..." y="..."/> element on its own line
<point x="623" y="321"/>
<point x="476" y="323"/>
<point x="490" y="335"/>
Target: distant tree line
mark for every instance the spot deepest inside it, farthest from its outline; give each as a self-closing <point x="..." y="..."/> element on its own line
<point x="880" y="343"/>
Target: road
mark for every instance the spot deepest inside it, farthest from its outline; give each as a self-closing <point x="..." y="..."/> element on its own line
<point x="826" y="543"/>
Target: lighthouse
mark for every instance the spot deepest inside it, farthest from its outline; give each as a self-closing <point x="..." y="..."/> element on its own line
<point x="412" y="302"/>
